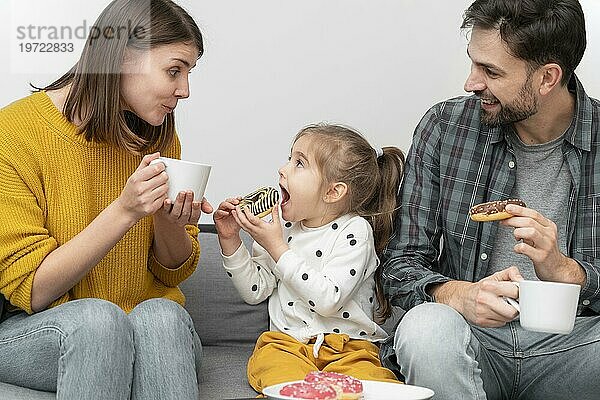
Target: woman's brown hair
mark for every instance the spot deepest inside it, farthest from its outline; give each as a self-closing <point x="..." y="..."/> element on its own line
<point x="373" y="179"/>
<point x="94" y="97"/>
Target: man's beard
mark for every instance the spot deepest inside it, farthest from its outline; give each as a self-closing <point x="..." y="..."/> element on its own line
<point x="522" y="108"/>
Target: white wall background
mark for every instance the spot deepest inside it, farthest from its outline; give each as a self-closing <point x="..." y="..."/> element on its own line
<point x="272" y="66"/>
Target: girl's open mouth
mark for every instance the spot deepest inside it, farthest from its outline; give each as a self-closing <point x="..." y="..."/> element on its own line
<point x="285" y="196"/>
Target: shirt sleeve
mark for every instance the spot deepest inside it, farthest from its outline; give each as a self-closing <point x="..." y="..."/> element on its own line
<point x="414" y="247"/>
<point x="327" y="287"/>
<point x="252" y="276"/>
<point x="590" y="292"/>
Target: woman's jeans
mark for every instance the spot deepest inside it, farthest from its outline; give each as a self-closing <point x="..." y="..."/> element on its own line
<point x="437" y="348"/>
<point x="91" y="349"/>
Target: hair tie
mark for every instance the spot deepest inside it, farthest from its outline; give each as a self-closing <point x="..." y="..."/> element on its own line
<point x="378" y="152"/>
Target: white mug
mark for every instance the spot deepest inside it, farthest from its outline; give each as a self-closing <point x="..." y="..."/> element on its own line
<point x="549" y="307"/>
<point x="184" y="176"/>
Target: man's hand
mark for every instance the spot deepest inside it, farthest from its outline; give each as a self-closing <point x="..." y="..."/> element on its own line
<point x="538" y="240"/>
<point x="482" y="303"/>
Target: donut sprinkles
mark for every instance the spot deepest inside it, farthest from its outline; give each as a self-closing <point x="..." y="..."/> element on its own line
<point x="350" y="387"/>
<point x="305" y="390"/>
<point x="320" y="385"/>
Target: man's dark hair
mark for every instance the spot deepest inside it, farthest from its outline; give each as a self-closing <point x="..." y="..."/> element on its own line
<point x="536" y="31"/>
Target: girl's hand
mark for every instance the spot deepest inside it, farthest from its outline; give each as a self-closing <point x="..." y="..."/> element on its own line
<point x="185" y="211"/>
<point x="226" y="225"/>
<point x="268" y="234"/>
<point x="145" y="190"/>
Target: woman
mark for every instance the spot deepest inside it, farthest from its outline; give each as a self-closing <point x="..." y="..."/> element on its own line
<point x="91" y="250"/>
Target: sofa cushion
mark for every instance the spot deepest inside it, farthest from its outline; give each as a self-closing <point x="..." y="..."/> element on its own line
<point x="11" y="392"/>
<point x="223" y="373"/>
<point x="220" y="315"/>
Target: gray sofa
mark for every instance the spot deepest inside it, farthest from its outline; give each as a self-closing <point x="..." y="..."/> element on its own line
<point x="227" y="326"/>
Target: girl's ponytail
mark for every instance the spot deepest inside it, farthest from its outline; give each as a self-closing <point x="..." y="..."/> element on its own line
<point x="391" y="168"/>
<point x="384" y="209"/>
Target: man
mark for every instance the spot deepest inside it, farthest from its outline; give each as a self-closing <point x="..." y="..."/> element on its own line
<point x="528" y="132"/>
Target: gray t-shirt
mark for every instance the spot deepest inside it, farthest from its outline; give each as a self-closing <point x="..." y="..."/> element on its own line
<point x="543" y="182"/>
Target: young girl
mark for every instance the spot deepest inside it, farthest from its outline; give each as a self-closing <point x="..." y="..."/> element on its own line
<point x="320" y="268"/>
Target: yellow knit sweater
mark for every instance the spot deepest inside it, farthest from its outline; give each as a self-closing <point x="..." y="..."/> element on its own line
<point x="53" y="183"/>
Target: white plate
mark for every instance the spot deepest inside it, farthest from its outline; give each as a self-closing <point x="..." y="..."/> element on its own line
<point x="372" y="390"/>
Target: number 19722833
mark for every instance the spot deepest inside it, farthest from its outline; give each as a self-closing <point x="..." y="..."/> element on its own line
<point x="43" y="47"/>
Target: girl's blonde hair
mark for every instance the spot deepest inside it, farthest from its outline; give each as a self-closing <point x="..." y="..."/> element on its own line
<point x="344" y="155"/>
<point x="95" y="96"/>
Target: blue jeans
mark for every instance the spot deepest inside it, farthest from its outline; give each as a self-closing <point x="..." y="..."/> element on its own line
<point x="437" y="348"/>
<point x="91" y="349"/>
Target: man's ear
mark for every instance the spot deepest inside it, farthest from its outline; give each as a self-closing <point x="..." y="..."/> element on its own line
<point x="552" y="76"/>
<point x="336" y="192"/>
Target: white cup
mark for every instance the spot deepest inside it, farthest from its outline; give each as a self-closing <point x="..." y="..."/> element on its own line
<point x="184" y="176"/>
<point x="549" y="307"/>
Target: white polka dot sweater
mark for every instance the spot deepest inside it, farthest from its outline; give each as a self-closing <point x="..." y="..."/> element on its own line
<point x="323" y="284"/>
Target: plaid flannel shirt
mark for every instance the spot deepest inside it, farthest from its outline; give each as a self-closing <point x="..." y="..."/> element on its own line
<point x="456" y="162"/>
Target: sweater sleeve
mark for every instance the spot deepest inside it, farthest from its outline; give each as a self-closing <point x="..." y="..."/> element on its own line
<point x="24" y="239"/>
<point x="251" y="276"/>
<point x="169" y="276"/>
<point x="172" y="277"/>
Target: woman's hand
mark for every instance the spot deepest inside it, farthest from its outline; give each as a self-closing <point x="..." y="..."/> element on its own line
<point x="268" y="234"/>
<point x="145" y="190"/>
<point x="172" y="245"/>
<point x="185" y="211"/>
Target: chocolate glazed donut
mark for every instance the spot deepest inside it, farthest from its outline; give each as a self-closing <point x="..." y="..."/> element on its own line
<point x="261" y="201"/>
<point x="493" y="210"/>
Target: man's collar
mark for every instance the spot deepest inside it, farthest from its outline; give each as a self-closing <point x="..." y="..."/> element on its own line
<point x="579" y="133"/>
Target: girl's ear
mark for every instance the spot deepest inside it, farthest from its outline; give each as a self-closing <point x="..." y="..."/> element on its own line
<point x="336" y="192"/>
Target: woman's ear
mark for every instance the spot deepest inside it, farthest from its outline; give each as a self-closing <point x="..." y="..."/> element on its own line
<point x="336" y="192"/>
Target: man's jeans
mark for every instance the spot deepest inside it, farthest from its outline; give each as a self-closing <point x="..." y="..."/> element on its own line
<point x="91" y="349"/>
<point x="437" y="348"/>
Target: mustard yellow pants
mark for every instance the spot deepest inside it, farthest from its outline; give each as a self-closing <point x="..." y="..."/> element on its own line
<point x="278" y="358"/>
